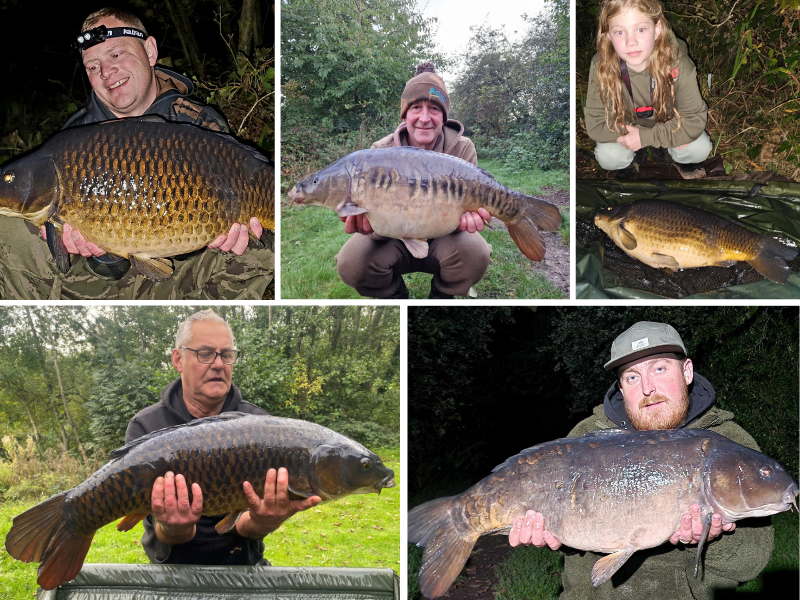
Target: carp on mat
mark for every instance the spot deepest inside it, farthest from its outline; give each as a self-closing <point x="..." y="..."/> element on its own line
<point x="415" y="195"/>
<point x="219" y="453"/>
<point x="668" y="235"/>
<point x="609" y="491"/>
<point x="142" y="188"/>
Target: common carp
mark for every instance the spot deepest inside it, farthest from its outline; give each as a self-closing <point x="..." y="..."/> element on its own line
<point x="672" y="236"/>
<point x="610" y="491"/>
<point x="415" y="195"/>
<point x="142" y="188"/>
<point x="219" y="453"/>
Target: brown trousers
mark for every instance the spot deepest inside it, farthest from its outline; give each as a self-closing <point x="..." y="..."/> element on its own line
<point x="375" y="268"/>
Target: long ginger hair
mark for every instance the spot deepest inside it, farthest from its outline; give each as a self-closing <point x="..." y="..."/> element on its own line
<point x="660" y="64"/>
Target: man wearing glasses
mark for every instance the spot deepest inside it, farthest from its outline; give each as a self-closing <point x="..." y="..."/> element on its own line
<point x="175" y="531"/>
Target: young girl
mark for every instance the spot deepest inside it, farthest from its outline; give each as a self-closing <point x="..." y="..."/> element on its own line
<point x="643" y="92"/>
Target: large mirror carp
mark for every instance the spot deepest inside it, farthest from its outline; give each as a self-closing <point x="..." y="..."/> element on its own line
<point x="669" y="235"/>
<point x="219" y="453"/>
<point x="610" y="491"/>
<point x="142" y="188"/>
<point x="415" y="195"/>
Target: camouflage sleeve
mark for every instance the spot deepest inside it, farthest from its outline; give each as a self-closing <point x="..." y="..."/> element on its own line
<point x="187" y="110"/>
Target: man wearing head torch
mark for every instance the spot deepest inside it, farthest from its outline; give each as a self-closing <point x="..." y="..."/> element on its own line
<point x="120" y="62"/>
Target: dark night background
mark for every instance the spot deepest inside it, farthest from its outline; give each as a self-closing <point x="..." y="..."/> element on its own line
<point x="486" y="382"/>
<point x="43" y="81"/>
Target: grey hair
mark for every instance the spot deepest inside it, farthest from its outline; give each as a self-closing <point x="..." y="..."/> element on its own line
<point x="184" y="335"/>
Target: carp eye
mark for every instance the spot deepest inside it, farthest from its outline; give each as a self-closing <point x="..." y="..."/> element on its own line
<point x="366" y="464"/>
<point x="765" y="471"/>
<point x="315" y="182"/>
<point x="9" y="177"/>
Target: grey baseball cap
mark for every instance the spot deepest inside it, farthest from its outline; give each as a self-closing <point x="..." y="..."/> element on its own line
<point x="644" y="339"/>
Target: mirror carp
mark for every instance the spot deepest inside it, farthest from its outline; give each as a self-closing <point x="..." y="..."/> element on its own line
<point x="610" y="491"/>
<point x="668" y="235"/>
<point x="415" y="195"/>
<point x="142" y="188"/>
<point x="219" y="453"/>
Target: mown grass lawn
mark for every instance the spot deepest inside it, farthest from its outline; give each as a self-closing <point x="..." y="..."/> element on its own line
<point x="311" y="236"/>
<point x="358" y="531"/>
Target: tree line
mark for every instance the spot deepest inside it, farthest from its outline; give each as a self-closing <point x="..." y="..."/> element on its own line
<point x="71" y="377"/>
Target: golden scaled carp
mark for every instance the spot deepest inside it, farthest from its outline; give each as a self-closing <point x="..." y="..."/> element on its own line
<point x="142" y="188"/>
<point x="672" y="236"/>
<point x="611" y="491"/>
<point x="219" y="453"/>
<point x="415" y="195"/>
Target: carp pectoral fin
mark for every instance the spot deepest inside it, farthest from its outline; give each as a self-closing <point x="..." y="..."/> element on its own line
<point x="57" y="247"/>
<point x="418" y="248"/>
<point x="254" y="241"/>
<point x="128" y="522"/>
<point x="229" y="522"/>
<point x="295" y="495"/>
<point x="608" y="565"/>
<point x="155" y="269"/>
<point x="665" y="261"/>
<point x="627" y="238"/>
<point x="349" y="210"/>
<point x="703" y="538"/>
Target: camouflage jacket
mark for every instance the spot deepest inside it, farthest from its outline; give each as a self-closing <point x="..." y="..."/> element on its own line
<point x="28" y="272"/>
<point x="667" y="571"/>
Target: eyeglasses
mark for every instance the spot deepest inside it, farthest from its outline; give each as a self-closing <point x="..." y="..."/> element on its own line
<point x="206" y="356"/>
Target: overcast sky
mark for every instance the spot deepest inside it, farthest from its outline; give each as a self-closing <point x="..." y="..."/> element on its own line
<point x="455" y="17"/>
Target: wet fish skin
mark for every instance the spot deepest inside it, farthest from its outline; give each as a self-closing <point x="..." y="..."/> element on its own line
<point x="672" y="236"/>
<point x="611" y="491"/>
<point x="218" y="453"/>
<point x="142" y="188"/>
<point x="415" y="195"/>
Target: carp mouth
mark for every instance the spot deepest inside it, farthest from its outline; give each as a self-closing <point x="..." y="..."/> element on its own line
<point x="386" y="482"/>
<point x="296" y="196"/>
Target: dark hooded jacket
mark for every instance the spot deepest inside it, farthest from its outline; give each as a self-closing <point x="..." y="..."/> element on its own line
<point x="667" y="571"/>
<point x="207" y="547"/>
<point x="172" y="102"/>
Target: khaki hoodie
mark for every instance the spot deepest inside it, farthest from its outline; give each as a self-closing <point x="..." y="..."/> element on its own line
<point x="688" y="101"/>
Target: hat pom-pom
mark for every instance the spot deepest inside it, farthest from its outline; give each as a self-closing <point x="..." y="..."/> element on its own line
<point x="425" y="67"/>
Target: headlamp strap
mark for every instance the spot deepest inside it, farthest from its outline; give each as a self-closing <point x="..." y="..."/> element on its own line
<point x="101" y="33"/>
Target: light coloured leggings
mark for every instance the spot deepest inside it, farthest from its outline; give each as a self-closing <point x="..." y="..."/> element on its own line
<point x="612" y="156"/>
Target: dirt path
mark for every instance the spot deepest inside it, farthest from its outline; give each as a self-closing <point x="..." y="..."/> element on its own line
<point x="481" y="578"/>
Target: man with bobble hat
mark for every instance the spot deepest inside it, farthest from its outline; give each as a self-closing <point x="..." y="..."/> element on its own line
<point x="375" y="265"/>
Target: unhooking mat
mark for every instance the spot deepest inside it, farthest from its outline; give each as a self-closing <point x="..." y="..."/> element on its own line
<point x="191" y="582"/>
<point x="604" y="271"/>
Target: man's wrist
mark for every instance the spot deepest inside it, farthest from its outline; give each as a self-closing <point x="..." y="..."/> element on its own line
<point x="249" y="529"/>
<point x="172" y="536"/>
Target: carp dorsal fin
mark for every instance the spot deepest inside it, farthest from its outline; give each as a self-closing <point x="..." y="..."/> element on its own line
<point x="609" y="431"/>
<point x="57" y="247"/>
<point x="418" y="248"/>
<point x="604" y="568"/>
<point x="626" y="237"/>
<point x="155" y="269"/>
<point x="229" y="522"/>
<point x="226" y="416"/>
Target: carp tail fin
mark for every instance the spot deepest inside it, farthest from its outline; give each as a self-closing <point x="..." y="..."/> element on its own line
<point x="539" y="214"/>
<point x="771" y="260"/>
<point x="39" y="535"/>
<point x="446" y="549"/>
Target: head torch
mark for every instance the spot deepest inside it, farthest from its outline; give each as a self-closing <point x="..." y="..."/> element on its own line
<point x="101" y="33"/>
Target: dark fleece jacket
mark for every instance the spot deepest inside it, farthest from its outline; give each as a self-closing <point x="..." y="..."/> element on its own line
<point x="207" y="547"/>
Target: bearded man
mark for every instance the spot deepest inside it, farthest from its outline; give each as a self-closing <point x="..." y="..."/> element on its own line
<point x="657" y="388"/>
